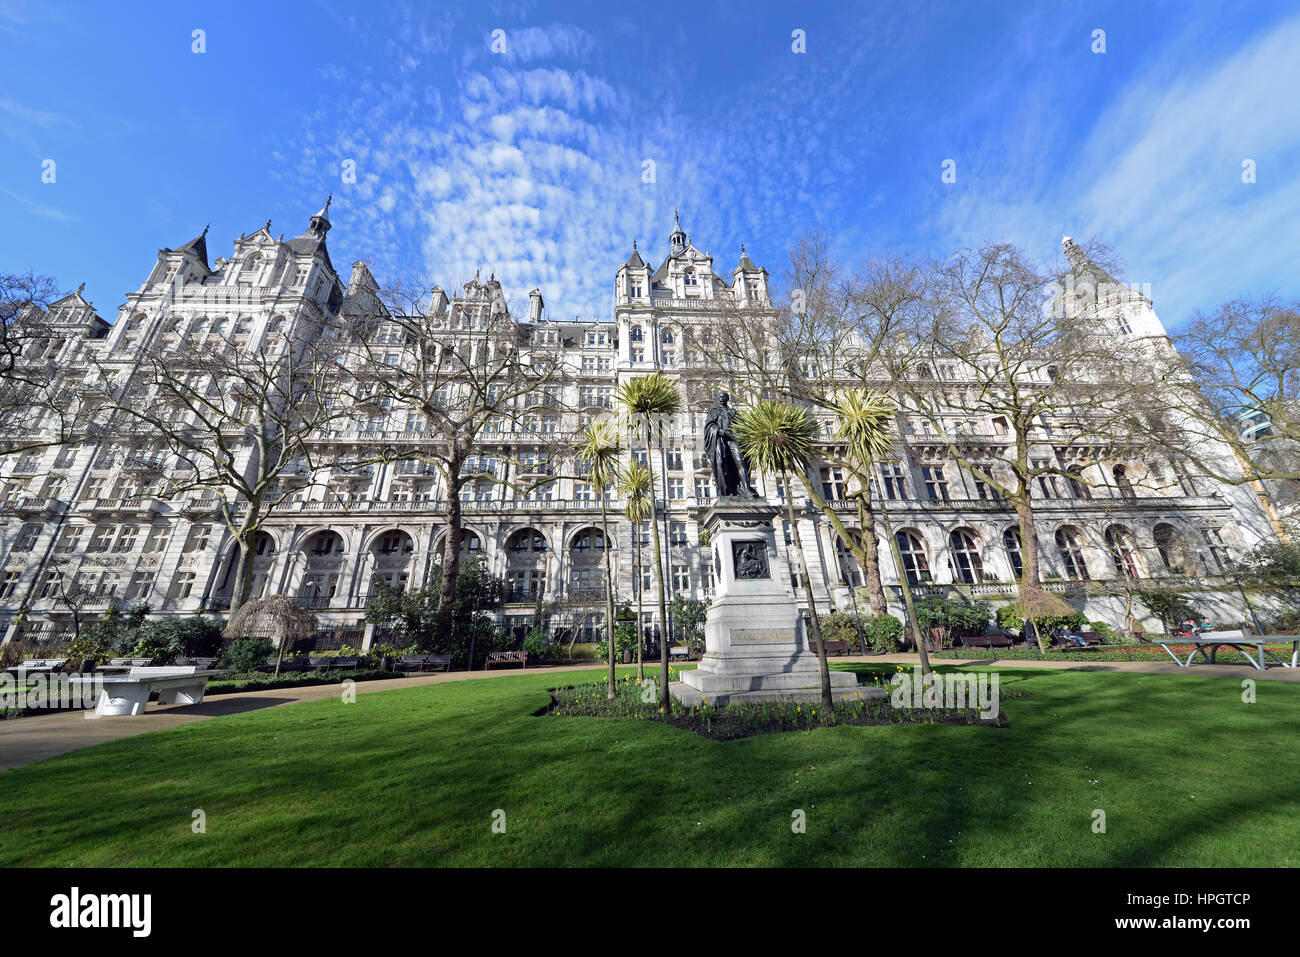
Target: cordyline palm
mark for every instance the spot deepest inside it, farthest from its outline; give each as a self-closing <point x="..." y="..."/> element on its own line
<point x="866" y="420"/>
<point x="778" y="437"/>
<point x="637" y="487"/>
<point x="599" y="450"/>
<point x="646" y="401"/>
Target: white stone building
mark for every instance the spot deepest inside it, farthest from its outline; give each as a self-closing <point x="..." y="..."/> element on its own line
<point x="81" y="510"/>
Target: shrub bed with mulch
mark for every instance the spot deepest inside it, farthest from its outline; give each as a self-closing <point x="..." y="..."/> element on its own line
<point x="730" y="722"/>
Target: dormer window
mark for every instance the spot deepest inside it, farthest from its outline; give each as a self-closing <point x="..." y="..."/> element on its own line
<point x="689" y="277"/>
<point x="248" y="271"/>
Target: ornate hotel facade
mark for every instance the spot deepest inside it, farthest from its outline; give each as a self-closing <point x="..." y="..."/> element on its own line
<point x="90" y="512"/>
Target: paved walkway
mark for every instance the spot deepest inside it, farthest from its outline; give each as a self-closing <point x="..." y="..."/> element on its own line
<point x="35" y="738"/>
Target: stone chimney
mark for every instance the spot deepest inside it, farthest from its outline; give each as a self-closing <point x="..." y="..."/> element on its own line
<point x="535" y="305"/>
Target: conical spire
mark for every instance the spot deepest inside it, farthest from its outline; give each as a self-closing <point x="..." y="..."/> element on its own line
<point x="313" y="240"/>
<point x="635" y="259"/>
<point x="677" y="240"/>
<point x="199" y="246"/>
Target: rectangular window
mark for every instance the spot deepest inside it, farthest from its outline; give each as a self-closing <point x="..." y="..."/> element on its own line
<point x="677" y="488"/>
<point x="681" y="578"/>
<point x="198" y="538"/>
<point x="895" y="484"/>
<point x="936" y="485"/>
<point x="833" y="485"/>
<point x="141" y="585"/>
<point x="182" y="585"/>
<point x="9" y="582"/>
<point x="126" y="539"/>
<point x="677" y="533"/>
<point x="50" y="585"/>
<point x="101" y="538"/>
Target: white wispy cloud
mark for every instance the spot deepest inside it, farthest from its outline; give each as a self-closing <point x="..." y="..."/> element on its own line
<point x="1159" y="175"/>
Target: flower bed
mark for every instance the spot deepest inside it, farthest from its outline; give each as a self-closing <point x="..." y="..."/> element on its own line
<point x="730" y="722"/>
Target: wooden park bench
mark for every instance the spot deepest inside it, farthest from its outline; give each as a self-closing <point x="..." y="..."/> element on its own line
<point x="834" y="647"/>
<point x="197" y="662"/>
<point x="290" y="663"/>
<point x="334" y="662"/>
<point x="506" y="658"/>
<point x="989" y="638"/>
<point x="424" y="663"/>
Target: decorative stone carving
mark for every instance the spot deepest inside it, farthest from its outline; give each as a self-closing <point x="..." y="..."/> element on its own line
<point x="749" y="558"/>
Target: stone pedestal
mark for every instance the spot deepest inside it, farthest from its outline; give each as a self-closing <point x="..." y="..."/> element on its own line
<point x="755" y="646"/>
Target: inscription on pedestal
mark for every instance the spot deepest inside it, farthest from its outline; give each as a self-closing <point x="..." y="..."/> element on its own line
<point x="746" y="636"/>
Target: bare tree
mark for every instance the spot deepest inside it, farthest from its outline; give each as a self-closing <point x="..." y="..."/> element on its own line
<point x="232" y="422"/>
<point x="1234" y="388"/>
<point x="474" y="384"/>
<point x="1055" y="384"/>
<point x="39" y="404"/>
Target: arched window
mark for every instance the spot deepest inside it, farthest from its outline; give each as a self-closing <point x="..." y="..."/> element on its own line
<point x="637" y="334"/>
<point x="527" y="541"/>
<point x="1172" y="547"/>
<point x="589" y="540"/>
<point x="667" y="337"/>
<point x="249" y="269"/>
<point x="1011" y="542"/>
<point x="915" y="565"/>
<point x="1070" y="549"/>
<point x="966" y="557"/>
<point x="1124" y="553"/>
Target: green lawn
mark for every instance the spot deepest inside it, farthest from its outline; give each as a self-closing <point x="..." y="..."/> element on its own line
<point x="1187" y="775"/>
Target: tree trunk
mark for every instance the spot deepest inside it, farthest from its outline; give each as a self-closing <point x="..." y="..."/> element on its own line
<point x="823" y="668"/>
<point x="863" y="551"/>
<point x="244" y="540"/>
<point x="640" y="587"/>
<point x="450" y="564"/>
<point x="917" y="638"/>
<point x="665" y="700"/>
<point x="1029" y="576"/>
<point x="609" y="591"/>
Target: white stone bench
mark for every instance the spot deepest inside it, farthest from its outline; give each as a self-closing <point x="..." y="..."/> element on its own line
<point x="129" y="693"/>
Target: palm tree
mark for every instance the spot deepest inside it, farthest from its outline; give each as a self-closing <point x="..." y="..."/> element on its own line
<point x="778" y="437"/>
<point x="599" y="450"/>
<point x="637" y="487"/>
<point x="865" y="418"/>
<point x="646" y="402"/>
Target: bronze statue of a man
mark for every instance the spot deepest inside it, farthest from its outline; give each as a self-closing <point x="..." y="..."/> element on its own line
<point x="730" y="471"/>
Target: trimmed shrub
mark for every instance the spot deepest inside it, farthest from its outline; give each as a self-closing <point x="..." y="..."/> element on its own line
<point x="883" y="632"/>
<point x="246" y="654"/>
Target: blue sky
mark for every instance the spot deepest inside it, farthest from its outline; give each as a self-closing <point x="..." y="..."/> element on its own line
<point x="529" y="161"/>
